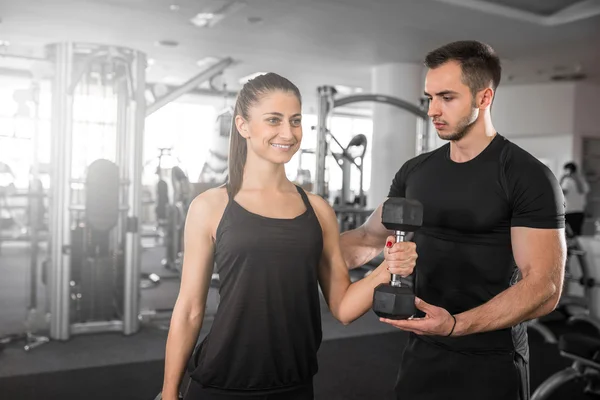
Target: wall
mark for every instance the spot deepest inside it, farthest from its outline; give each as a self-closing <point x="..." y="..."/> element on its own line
<point x="587" y="108"/>
<point x="537" y="117"/>
<point x="587" y="128"/>
<point x="540" y="119"/>
<point x="535" y="110"/>
<point x="554" y="151"/>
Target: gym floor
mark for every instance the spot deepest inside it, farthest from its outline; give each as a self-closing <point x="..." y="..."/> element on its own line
<point x="358" y="361"/>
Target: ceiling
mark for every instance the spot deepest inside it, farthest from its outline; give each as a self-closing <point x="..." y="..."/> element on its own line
<point x="313" y="42"/>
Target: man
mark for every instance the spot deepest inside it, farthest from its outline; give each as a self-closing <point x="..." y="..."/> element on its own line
<point x="491" y="251"/>
<point x="575" y="189"/>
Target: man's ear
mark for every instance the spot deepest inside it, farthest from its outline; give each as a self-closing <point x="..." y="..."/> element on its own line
<point x="485" y="98"/>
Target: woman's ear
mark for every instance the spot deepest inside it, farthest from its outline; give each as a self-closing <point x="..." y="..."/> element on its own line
<point x="242" y="126"/>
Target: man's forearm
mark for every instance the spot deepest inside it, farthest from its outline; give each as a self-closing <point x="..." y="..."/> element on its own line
<point x="358" y="248"/>
<point x="525" y="300"/>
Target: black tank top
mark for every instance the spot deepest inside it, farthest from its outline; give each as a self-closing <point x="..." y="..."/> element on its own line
<point x="267" y="329"/>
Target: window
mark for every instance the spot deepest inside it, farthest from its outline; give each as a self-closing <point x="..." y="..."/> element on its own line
<point x="186" y="128"/>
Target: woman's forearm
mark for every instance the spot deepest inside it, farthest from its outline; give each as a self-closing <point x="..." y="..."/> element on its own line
<point x="358" y="299"/>
<point x="183" y="334"/>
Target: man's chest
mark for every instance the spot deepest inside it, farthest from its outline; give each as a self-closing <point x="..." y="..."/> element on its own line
<point x="471" y="200"/>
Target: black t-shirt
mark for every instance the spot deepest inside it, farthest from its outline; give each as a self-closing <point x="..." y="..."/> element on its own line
<point x="464" y="245"/>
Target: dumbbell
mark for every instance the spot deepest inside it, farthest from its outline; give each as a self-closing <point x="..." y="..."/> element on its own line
<point x="159" y="396"/>
<point x="393" y="300"/>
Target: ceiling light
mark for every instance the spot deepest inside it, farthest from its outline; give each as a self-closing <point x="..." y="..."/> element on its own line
<point x="203" y="20"/>
<point x="4" y="43"/>
<point x="254" y="20"/>
<point x="174" y="7"/>
<point x="246" y="78"/>
<point x="576" y="76"/>
<point x="209" y="19"/>
<point x="205" y="16"/>
<point x="167" y="43"/>
<point x="347" y="90"/>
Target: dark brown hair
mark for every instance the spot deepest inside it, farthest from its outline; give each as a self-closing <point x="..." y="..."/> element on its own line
<point x="251" y="94"/>
<point x="478" y="61"/>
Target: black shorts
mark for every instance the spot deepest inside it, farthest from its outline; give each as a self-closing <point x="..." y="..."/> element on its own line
<point x="196" y="391"/>
<point x="431" y="372"/>
<point x="575" y="221"/>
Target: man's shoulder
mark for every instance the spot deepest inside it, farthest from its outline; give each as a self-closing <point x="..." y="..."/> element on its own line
<point x="524" y="171"/>
<point x="516" y="154"/>
<point x="520" y="161"/>
<point x="422" y="158"/>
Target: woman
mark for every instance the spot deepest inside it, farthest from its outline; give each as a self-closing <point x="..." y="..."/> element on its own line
<point x="272" y="244"/>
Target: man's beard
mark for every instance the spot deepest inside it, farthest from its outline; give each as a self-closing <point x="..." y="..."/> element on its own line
<point x="462" y="128"/>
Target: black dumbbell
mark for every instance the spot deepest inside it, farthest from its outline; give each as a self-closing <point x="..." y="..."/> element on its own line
<point x="159" y="396"/>
<point x="392" y="300"/>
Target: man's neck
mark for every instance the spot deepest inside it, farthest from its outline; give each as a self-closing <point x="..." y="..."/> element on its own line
<point x="479" y="137"/>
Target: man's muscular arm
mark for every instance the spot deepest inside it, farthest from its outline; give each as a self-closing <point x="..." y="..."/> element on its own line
<point x="540" y="254"/>
<point x="364" y="243"/>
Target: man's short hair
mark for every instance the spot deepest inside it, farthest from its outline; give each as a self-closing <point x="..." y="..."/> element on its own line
<point x="571" y="166"/>
<point x="479" y="63"/>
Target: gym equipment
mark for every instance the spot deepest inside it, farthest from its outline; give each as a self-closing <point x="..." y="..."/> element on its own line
<point x="185" y="383"/>
<point x="177" y="213"/>
<point x="584" y="279"/>
<point x="159" y="396"/>
<point x="182" y="389"/>
<point x="327" y="102"/>
<point x="162" y="189"/>
<point x="585" y="352"/>
<point x="352" y="154"/>
<point x="350" y="211"/>
<point x="105" y="85"/>
<point x="393" y="300"/>
<point x="96" y="258"/>
<point x="577" y="301"/>
<point x="7" y="187"/>
<point x="115" y="77"/>
<point x="214" y="169"/>
<point x="173" y="198"/>
<point x="355" y="150"/>
<point x="351" y="217"/>
<point x="35" y="224"/>
<point x="31" y="341"/>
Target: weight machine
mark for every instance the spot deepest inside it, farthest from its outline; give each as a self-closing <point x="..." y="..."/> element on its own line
<point x="327" y="102"/>
<point x="81" y="245"/>
<point x="351" y="216"/>
<point x="177" y="212"/>
<point x="581" y="309"/>
<point x="34" y="228"/>
<point x="579" y="300"/>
